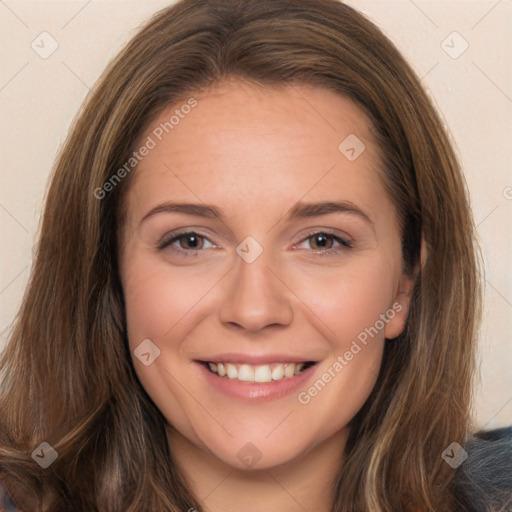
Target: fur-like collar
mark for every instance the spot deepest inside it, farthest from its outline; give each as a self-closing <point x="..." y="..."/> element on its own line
<point x="484" y="479"/>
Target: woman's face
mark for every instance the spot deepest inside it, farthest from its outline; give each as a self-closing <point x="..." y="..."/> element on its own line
<point x="288" y="252"/>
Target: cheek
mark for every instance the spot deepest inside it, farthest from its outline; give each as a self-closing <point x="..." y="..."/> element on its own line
<point x="160" y="302"/>
<point x="347" y="376"/>
<point x="348" y="300"/>
<point x="159" y="298"/>
<point x="346" y="305"/>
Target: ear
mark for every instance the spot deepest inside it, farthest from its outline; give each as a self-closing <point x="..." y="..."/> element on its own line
<point x="399" y="310"/>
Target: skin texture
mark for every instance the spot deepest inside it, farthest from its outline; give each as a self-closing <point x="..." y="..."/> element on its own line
<point x="255" y="152"/>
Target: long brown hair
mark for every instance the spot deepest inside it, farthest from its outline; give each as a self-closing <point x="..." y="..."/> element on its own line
<point x="66" y="373"/>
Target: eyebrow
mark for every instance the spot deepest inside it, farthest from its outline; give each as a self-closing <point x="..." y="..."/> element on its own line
<point x="300" y="210"/>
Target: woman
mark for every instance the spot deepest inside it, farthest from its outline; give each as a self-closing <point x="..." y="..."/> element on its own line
<point x="249" y="369"/>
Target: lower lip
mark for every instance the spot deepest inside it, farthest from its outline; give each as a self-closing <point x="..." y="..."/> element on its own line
<point x="256" y="390"/>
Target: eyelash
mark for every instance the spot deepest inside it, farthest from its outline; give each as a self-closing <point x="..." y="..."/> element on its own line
<point x="169" y="239"/>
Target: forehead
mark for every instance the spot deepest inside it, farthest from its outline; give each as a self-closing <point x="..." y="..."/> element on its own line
<point x="250" y="146"/>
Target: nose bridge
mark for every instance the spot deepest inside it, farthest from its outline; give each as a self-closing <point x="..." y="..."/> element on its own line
<point x="255" y="296"/>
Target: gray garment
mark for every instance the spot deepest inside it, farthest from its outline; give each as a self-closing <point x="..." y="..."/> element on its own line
<point x="484" y="479"/>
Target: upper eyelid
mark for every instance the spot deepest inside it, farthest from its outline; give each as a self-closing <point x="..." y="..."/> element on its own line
<point x="173" y="237"/>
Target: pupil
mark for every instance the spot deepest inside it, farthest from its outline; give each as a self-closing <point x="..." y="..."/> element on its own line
<point x="317" y="237"/>
<point x="193" y="237"/>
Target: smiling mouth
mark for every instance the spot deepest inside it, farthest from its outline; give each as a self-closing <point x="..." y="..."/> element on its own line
<point x="257" y="373"/>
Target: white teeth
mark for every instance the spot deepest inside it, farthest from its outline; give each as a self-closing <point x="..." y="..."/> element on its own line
<point x="231" y="371"/>
<point x="260" y="373"/>
<point x="289" y="370"/>
<point x="263" y="374"/>
<point x="246" y="373"/>
<point x="278" y="372"/>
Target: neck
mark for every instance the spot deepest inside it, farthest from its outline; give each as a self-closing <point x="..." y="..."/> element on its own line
<point x="304" y="483"/>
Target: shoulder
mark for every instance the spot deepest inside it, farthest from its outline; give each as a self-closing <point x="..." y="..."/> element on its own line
<point x="6" y="503"/>
<point x="484" y="479"/>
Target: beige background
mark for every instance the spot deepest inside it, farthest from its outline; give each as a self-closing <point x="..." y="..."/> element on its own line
<point x="40" y="96"/>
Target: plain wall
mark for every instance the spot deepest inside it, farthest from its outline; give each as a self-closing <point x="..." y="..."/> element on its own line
<point x="39" y="97"/>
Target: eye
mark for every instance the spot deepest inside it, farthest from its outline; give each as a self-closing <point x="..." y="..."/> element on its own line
<point x="325" y="241"/>
<point x="190" y="242"/>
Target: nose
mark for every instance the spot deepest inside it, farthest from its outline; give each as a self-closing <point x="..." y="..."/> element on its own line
<point x="256" y="296"/>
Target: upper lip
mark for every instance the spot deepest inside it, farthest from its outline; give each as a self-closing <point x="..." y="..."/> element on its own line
<point x="254" y="359"/>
